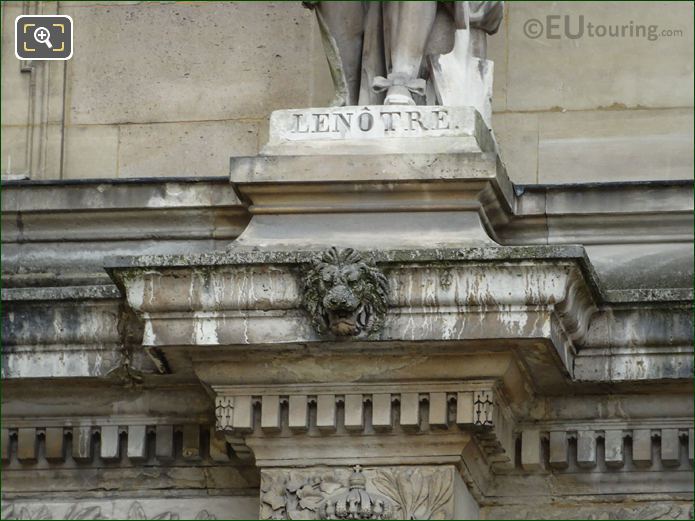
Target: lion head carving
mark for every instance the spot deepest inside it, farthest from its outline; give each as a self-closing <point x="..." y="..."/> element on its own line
<point x="344" y="294"/>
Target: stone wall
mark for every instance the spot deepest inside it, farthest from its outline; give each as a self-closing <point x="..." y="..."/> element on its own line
<point x="388" y="325"/>
<point x="165" y="89"/>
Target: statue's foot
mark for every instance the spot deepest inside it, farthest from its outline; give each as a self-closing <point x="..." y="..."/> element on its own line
<point x="398" y="95"/>
<point x="338" y="101"/>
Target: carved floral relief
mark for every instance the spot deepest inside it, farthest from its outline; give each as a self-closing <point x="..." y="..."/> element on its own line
<point x="640" y="510"/>
<point x="338" y="493"/>
<point x="86" y="510"/>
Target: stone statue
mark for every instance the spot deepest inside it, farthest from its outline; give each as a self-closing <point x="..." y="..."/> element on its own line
<point x="387" y="52"/>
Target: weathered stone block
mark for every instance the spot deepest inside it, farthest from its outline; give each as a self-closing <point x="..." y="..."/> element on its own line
<point x="542" y="72"/>
<point x="354" y="412"/>
<point x="531" y="449"/>
<point x="586" y="449"/>
<point x="270" y="413"/>
<point x="517" y="136"/>
<point x="410" y="410"/>
<point x="243" y="417"/>
<point x="113" y="80"/>
<point x="15" y="84"/>
<point x="558" y="450"/>
<point x="615" y="145"/>
<point x="137" y="442"/>
<point x="377" y="130"/>
<point x="91" y="151"/>
<point x="326" y="412"/>
<point x="464" y="408"/>
<point x="164" y="442"/>
<point x="13" y="151"/>
<point x="218" y="447"/>
<point x="82" y="443"/>
<point x="614" y="448"/>
<point x="497" y="53"/>
<point x="381" y="411"/>
<point x="438" y="409"/>
<point x="642" y="447"/>
<point x="26" y="444"/>
<point x="670" y="447"/>
<point x="110" y="442"/>
<point x="202" y="149"/>
<point x="298" y="412"/>
<point x="5" y="444"/>
<point x="55" y="444"/>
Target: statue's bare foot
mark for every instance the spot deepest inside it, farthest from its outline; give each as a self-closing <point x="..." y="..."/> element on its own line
<point x="398" y="95"/>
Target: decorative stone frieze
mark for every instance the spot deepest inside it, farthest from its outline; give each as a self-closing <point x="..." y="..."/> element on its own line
<point x="133" y="508"/>
<point x="402" y="492"/>
<point x="434" y="420"/>
<point x="608" y="446"/>
<point x="108" y="439"/>
<point x="644" y="509"/>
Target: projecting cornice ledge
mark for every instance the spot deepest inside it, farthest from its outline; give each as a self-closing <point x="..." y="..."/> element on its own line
<point x="531" y="299"/>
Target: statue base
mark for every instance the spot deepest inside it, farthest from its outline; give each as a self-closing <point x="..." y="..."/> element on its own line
<point x="375" y="176"/>
<point x="378" y="130"/>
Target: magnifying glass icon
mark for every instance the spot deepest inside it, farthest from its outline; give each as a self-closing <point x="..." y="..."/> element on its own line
<point x="43" y="35"/>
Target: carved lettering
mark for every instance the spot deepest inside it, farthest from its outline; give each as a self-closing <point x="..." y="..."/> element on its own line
<point x="321" y="122"/>
<point x="441" y="121"/>
<point x="415" y="117"/>
<point x="297" y="127"/>
<point x="389" y="119"/>
<point x="366" y="121"/>
<point x="343" y="119"/>
<point x="386" y="121"/>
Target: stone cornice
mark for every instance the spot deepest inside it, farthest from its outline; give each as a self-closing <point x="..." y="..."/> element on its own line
<point x="184" y="212"/>
<point x="51" y="294"/>
<point x="601" y="213"/>
<point x="461" y="294"/>
<point x="245" y="256"/>
<point x="590" y="213"/>
<point x="468" y="294"/>
<point x="59" y="233"/>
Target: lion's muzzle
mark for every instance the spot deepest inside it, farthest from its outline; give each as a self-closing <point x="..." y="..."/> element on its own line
<point x="341" y="306"/>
